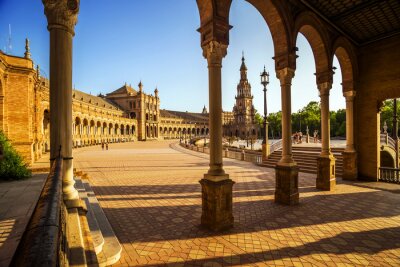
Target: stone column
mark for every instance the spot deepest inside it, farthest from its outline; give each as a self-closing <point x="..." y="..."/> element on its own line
<point x="349" y="155"/>
<point x="286" y="172"/>
<point x="62" y="17"/>
<point x="326" y="162"/>
<point x="216" y="185"/>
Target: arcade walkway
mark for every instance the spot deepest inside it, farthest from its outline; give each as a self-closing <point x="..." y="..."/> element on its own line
<point x="151" y="196"/>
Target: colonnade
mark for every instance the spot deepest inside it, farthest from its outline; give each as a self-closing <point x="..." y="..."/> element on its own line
<point x="178" y="132"/>
<point x="85" y="133"/>
<point x="214" y="30"/>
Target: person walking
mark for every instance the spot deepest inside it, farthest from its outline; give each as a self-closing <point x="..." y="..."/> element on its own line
<point x="102" y="145"/>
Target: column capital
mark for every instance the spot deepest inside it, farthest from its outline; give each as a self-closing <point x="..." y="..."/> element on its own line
<point x="285" y="75"/>
<point x="324" y="88"/>
<point x="61" y="14"/>
<point x="325" y="76"/>
<point x="286" y="60"/>
<point x="214" y="52"/>
<point x="349" y="95"/>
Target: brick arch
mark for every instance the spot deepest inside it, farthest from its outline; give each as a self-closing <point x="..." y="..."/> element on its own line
<point x="277" y="24"/>
<point x="217" y="11"/>
<point x="311" y="27"/>
<point x="347" y="58"/>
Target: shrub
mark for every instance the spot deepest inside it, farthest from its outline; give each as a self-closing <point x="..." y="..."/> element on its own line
<point x="12" y="166"/>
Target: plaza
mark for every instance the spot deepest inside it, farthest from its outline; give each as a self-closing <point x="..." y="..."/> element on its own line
<point x="152" y="199"/>
<point x="122" y="181"/>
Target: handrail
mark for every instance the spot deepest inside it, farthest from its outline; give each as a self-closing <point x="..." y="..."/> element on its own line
<point x="42" y="241"/>
<point x="275" y="146"/>
<point x="388" y="140"/>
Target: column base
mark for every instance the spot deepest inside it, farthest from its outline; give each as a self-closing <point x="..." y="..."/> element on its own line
<point x="326" y="173"/>
<point x="216" y="204"/>
<point x="265" y="151"/>
<point x="350" y="171"/>
<point x="287" y="184"/>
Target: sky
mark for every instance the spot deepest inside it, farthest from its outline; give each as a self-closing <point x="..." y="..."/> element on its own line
<point x="156" y="42"/>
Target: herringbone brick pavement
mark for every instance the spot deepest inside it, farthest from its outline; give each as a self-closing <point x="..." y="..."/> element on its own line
<point x="151" y="196"/>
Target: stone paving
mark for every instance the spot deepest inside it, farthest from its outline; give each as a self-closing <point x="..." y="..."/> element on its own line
<point x="17" y="202"/>
<point x="151" y="196"/>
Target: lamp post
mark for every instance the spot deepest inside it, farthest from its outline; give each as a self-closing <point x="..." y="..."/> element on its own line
<point x="265" y="144"/>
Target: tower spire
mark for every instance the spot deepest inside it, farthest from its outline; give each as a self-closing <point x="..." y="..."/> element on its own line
<point x="243" y="69"/>
<point x="27" y="49"/>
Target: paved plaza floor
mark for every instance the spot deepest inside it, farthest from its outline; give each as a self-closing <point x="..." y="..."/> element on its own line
<point x="17" y="201"/>
<point x="152" y="198"/>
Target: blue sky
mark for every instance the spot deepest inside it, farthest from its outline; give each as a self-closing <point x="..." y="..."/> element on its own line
<point x="156" y="41"/>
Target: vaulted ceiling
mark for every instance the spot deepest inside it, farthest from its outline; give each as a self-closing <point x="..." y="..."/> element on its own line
<point x="362" y="21"/>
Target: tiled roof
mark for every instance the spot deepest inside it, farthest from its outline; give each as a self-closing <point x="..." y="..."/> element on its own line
<point x="125" y="89"/>
<point x="94" y="100"/>
<point x="188" y="116"/>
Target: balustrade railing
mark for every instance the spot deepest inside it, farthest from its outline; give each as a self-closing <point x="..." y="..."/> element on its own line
<point x="43" y="242"/>
<point x="388" y="140"/>
<point x="242" y="155"/>
<point x="389" y="175"/>
<point x="275" y="146"/>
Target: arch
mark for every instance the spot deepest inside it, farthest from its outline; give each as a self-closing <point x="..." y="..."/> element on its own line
<point x="388" y="157"/>
<point x="77" y="125"/>
<point x="270" y="10"/>
<point x="133" y="129"/>
<point x="91" y="129"/>
<point x="308" y="24"/>
<point x="110" y="128"/>
<point x="347" y="58"/>
<point x="104" y="127"/>
<point x="277" y="20"/>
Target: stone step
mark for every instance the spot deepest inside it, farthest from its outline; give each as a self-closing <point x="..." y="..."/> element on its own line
<point x="107" y="246"/>
<point x="97" y="236"/>
<point x="112" y="249"/>
<point x="306" y="158"/>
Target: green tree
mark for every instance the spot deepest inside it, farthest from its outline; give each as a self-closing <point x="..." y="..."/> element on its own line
<point x="275" y="124"/>
<point x="12" y="166"/>
<point x="387" y="114"/>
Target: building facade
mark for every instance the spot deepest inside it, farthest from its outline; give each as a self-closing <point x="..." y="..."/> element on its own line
<point x="140" y="106"/>
<point x="123" y="115"/>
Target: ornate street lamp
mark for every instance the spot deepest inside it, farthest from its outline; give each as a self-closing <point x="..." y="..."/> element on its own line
<point x="265" y="145"/>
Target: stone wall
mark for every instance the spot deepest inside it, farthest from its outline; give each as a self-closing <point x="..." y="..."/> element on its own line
<point x="379" y="79"/>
